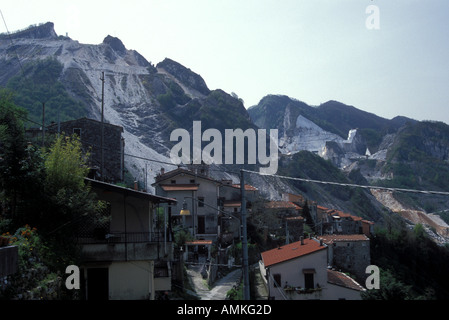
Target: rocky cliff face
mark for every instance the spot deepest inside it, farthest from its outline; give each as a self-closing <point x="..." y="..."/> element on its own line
<point x="298" y="130"/>
<point x="147" y="101"/>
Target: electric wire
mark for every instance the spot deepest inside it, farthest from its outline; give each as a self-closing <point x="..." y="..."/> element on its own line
<point x="12" y="43"/>
<point x="350" y="184"/>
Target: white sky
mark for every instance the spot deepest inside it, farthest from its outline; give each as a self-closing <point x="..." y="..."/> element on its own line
<point x="311" y="50"/>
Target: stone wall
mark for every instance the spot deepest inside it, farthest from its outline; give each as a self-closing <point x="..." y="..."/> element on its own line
<point x="89" y="131"/>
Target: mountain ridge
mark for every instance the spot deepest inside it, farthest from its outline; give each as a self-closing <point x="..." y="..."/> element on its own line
<point x="149" y="101"/>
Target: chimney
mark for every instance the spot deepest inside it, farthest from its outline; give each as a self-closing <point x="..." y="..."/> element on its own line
<point x="162" y="170"/>
<point x="321" y="242"/>
<point x="302" y="240"/>
<point x="135" y="185"/>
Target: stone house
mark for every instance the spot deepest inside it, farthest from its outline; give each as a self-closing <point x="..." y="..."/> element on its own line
<point x="349" y="253"/>
<point x="299" y="271"/>
<point x="127" y="253"/>
<point x="289" y="217"/>
<point x="331" y="221"/>
<point x="89" y="131"/>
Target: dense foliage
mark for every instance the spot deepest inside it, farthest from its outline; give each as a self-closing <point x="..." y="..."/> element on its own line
<point x="412" y="265"/>
<point x="42" y="192"/>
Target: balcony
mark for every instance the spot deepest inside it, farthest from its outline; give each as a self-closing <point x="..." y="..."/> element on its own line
<point x="121" y="246"/>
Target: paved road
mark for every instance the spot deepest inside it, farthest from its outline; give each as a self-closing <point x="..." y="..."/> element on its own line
<point x="219" y="288"/>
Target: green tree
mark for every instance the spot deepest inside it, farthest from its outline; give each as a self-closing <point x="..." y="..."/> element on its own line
<point x="20" y="165"/>
<point x="69" y="200"/>
<point x="65" y="165"/>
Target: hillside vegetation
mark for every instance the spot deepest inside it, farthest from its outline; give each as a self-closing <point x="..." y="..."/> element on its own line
<point x="38" y="84"/>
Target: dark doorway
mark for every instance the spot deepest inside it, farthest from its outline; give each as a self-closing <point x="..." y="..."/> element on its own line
<point x="97" y="284"/>
<point x="308" y="280"/>
<point x="201" y="225"/>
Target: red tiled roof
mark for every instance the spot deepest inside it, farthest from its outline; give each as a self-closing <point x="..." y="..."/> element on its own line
<point x="341" y="214"/>
<point x="291" y="251"/>
<point x="247" y="187"/>
<point x="282" y="204"/>
<point x="231" y="203"/>
<point x="330" y="238"/>
<point x="340" y="279"/>
<point x="294" y="218"/>
<point x="179" y="187"/>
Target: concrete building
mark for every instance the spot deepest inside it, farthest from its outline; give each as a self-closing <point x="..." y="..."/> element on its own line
<point x="127" y="253"/>
<point x="196" y="192"/>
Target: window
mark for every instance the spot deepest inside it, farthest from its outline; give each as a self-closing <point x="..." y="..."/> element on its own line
<point x="77" y="131"/>
<point x="200" y="201"/>
<point x="173" y="181"/>
<point x="277" y="280"/>
<point x="308" y="280"/>
<point x="192" y="181"/>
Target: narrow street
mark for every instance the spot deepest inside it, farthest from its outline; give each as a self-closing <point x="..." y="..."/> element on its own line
<point x="219" y="288"/>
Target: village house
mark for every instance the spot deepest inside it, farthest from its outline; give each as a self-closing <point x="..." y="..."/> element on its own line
<point x="89" y="131"/>
<point x="348" y="252"/>
<point x="331" y="221"/>
<point x="289" y="216"/>
<point x="197" y="194"/>
<point x="126" y="254"/>
<point x="299" y="271"/>
<point x="230" y="200"/>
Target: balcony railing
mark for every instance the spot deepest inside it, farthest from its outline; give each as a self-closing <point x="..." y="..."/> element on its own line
<point x="123" y="237"/>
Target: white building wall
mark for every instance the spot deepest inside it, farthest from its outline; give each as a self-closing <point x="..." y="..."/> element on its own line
<point x="292" y="272"/>
<point x="131" y="281"/>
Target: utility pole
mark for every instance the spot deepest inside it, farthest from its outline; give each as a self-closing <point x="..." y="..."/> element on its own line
<point x="244" y="239"/>
<point x="102" y="126"/>
<point x="43" y="124"/>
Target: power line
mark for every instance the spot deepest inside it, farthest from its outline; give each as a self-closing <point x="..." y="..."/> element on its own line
<point x="350" y="184"/>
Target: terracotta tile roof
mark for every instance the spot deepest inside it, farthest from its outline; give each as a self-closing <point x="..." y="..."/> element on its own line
<point x="294" y="218"/>
<point x="291" y="251"/>
<point x="331" y="238"/>
<point x="179" y="187"/>
<point x="247" y="187"/>
<point x="231" y="203"/>
<point x="281" y="205"/>
<point x="342" y="280"/>
<point x="340" y="214"/>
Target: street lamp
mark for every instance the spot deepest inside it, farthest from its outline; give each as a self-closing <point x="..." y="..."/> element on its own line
<point x="184" y="211"/>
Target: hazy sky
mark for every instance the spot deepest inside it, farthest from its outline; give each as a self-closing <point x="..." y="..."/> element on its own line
<point x="314" y="50"/>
